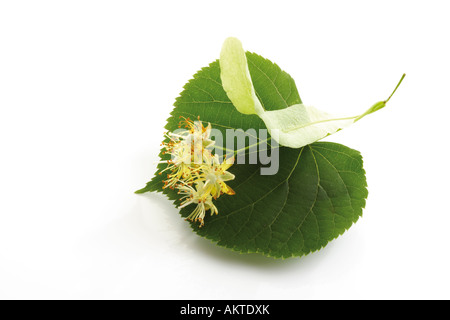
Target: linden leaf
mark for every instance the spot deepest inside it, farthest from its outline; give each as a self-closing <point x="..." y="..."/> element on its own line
<point x="318" y="192"/>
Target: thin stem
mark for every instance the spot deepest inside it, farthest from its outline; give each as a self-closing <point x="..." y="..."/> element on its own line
<point x="398" y="84"/>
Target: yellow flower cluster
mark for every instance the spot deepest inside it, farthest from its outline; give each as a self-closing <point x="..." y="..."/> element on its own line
<point x="195" y="172"/>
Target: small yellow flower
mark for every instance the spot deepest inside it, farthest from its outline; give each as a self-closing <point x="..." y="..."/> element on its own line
<point x="180" y="164"/>
<point x="198" y="137"/>
<point x="199" y="196"/>
<point x="215" y="176"/>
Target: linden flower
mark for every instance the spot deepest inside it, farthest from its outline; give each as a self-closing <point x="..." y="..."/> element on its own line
<point x="188" y="149"/>
<point x="198" y="136"/>
<point x="180" y="162"/>
<point x="215" y="176"/>
<point x="196" y="131"/>
<point x="200" y="196"/>
<point x="194" y="170"/>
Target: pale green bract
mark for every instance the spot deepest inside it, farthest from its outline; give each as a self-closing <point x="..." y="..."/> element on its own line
<point x="300" y="125"/>
<point x="295" y="126"/>
<point x="236" y="79"/>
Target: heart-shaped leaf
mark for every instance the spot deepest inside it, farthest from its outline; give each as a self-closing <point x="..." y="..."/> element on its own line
<point x="318" y="192"/>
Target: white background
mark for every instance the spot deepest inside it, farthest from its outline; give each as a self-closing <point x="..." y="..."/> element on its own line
<point x="86" y="87"/>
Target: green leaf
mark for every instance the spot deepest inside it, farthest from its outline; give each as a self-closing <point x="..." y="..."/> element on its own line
<point x="317" y="194"/>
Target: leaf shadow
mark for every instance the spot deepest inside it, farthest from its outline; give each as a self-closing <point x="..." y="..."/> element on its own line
<point x="257" y="260"/>
<point x="211" y="250"/>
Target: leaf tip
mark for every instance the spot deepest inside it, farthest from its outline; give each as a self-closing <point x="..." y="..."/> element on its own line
<point x="141" y="191"/>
